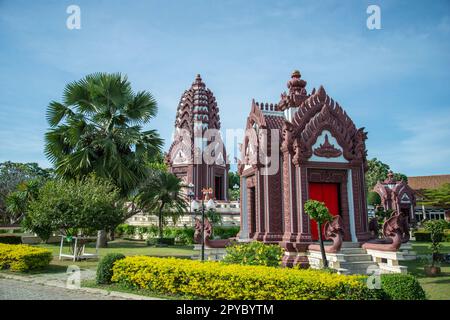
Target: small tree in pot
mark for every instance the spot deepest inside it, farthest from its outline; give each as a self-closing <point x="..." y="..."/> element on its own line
<point x="317" y="211"/>
<point x="436" y="229"/>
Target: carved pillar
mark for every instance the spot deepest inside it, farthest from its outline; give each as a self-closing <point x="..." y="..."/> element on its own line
<point x="260" y="207"/>
<point x="303" y="221"/>
<point x="288" y="171"/>
<point x="361" y="223"/>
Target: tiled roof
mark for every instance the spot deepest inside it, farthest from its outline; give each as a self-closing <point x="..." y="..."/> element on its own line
<point x="274" y="122"/>
<point x="428" y="182"/>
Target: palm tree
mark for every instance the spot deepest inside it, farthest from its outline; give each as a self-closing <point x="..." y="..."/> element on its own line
<point x="162" y="194"/>
<point x="98" y="128"/>
<point x="17" y="202"/>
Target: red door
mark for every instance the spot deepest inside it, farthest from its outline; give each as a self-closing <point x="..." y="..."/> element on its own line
<point x="327" y="193"/>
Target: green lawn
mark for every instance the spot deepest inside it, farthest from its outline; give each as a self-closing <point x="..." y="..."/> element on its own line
<point x="126" y="247"/>
<point x="437" y="288"/>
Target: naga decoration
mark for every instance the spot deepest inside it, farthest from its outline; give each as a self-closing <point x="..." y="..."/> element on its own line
<point x="334" y="230"/>
<point x="394" y="231"/>
<point x="221" y="243"/>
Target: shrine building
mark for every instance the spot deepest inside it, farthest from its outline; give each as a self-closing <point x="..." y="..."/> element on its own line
<point x="320" y="154"/>
<point x="397" y="195"/>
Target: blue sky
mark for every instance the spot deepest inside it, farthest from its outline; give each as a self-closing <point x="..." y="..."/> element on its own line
<point x="393" y="81"/>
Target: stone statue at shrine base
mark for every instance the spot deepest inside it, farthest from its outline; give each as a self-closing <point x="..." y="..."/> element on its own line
<point x="378" y="254"/>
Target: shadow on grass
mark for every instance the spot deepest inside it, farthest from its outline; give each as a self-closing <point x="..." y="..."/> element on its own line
<point x="52" y="268"/>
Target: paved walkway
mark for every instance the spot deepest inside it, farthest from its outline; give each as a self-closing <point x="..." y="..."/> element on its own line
<point x="11" y="289"/>
<point x="55" y="287"/>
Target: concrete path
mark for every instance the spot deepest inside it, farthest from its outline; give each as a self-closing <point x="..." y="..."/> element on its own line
<point x="55" y="287"/>
<point x="19" y="290"/>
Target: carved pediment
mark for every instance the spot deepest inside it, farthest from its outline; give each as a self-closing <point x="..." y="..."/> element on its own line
<point x="179" y="157"/>
<point x="319" y="112"/>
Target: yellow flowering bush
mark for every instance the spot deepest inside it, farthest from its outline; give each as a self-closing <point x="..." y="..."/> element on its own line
<point x="214" y="280"/>
<point x="254" y="253"/>
<point x="20" y="257"/>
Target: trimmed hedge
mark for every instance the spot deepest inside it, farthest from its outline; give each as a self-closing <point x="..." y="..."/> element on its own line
<point x="425" y="236"/>
<point x="223" y="232"/>
<point x="214" y="280"/>
<point x="104" y="268"/>
<point x="20" y="257"/>
<point x="160" y="241"/>
<point x="401" y="287"/>
<point x="10" y="239"/>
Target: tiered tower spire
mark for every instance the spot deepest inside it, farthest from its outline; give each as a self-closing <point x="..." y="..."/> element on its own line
<point x="198" y="111"/>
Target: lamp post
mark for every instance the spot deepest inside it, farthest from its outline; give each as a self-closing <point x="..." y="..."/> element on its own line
<point x="206" y="192"/>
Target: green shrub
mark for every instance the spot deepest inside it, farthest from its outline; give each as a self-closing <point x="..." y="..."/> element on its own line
<point x="10" y="239"/>
<point x="182" y="236"/>
<point x="254" y="253"/>
<point x="123" y="230"/>
<point x="141" y="231"/>
<point x="20" y="257"/>
<point x="120" y="230"/>
<point x="160" y="241"/>
<point x="214" y="280"/>
<point x="9" y="231"/>
<point x="104" y="268"/>
<point x="425" y="236"/>
<point x="422" y="236"/>
<point x="225" y="232"/>
<point x="401" y="287"/>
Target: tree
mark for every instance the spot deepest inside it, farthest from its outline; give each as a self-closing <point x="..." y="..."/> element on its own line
<point x="317" y="211"/>
<point x="234" y="179"/>
<point x="13" y="175"/>
<point x="17" y="202"/>
<point x="162" y="195"/>
<point x="439" y="197"/>
<point x="378" y="171"/>
<point x="75" y="207"/>
<point x="98" y="128"/>
<point x="436" y="229"/>
<point x="373" y="198"/>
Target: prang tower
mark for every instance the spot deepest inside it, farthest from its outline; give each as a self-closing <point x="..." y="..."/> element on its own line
<point x="198" y="111"/>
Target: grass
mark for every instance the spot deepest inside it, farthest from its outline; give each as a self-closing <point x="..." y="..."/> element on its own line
<point x="126" y="247"/>
<point x="422" y="248"/>
<point x="436" y="288"/>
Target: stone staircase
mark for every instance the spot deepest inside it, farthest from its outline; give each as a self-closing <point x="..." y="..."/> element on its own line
<point x="356" y="259"/>
<point x="351" y="259"/>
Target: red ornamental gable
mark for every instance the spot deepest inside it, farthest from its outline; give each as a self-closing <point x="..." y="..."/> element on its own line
<point x="320" y="112"/>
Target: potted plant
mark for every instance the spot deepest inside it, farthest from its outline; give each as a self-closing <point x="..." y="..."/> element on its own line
<point x="317" y="211"/>
<point x="436" y="229"/>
